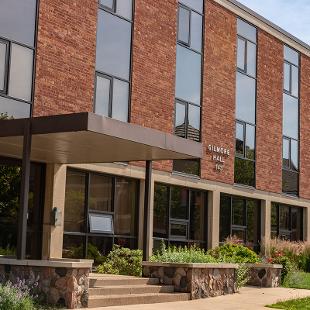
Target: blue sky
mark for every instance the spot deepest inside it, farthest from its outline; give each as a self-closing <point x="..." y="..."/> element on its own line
<point x="291" y="15"/>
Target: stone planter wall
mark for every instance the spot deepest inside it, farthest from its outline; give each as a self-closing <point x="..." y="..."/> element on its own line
<point x="200" y="280"/>
<point x="265" y="275"/>
<point x="64" y="284"/>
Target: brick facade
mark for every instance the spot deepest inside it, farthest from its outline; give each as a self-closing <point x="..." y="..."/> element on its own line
<point x="153" y="68"/>
<point x="269" y="113"/>
<point x="65" y="70"/>
<point x="305" y="128"/>
<point x="65" y="64"/>
<point x="219" y="83"/>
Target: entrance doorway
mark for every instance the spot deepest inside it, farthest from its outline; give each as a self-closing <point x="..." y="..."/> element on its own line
<point x="10" y="181"/>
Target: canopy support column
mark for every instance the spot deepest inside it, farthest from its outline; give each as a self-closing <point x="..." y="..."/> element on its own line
<point x="24" y="193"/>
<point x="147" y="210"/>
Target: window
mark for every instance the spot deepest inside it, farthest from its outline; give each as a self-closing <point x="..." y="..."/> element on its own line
<point x="18" y="20"/>
<point x="122" y="8"/>
<point x="290" y="154"/>
<point x="3" y="64"/>
<point x="113" y="59"/>
<point x="17" y="44"/>
<point x="240" y="218"/>
<point x="179" y="215"/>
<point x="245" y="104"/>
<point x="100" y="210"/>
<point x="188" y="79"/>
<point x="286" y="222"/>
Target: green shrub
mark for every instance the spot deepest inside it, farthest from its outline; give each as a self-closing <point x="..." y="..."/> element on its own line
<point x="242" y="274"/>
<point x="182" y="255"/>
<point x="14" y="298"/>
<point x="7" y="251"/>
<point x="287" y="263"/>
<point x="234" y="253"/>
<point x="122" y="261"/>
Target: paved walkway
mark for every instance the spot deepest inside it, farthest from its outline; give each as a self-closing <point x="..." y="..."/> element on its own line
<point x="249" y="299"/>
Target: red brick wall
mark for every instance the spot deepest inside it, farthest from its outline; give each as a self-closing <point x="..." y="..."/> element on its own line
<point x="305" y="128"/>
<point x="65" y="56"/>
<point x="218" y="106"/>
<point x="153" y="69"/>
<point x="269" y="113"/>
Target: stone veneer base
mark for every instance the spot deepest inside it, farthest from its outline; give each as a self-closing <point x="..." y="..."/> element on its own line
<point x="199" y="280"/>
<point x="59" y="282"/>
<point x="265" y="275"/>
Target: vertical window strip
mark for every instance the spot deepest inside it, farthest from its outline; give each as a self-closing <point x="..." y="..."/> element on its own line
<point x="291" y="126"/>
<point x="246" y="113"/>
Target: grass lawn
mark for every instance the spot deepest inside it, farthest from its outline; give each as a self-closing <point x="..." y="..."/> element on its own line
<point x="294" y="304"/>
<point x="298" y="280"/>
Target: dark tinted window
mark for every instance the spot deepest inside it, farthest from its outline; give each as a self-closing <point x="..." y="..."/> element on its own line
<point x="125" y="207"/>
<point x="100" y="193"/>
<point x="17" y="20"/>
<point x="225" y="218"/>
<point x="197" y="215"/>
<point x="113" y="45"/>
<point x="290" y="182"/>
<point x="238" y="212"/>
<point x="161" y="205"/>
<point x="179" y="203"/>
<point x="187" y="166"/>
<point x="75" y="202"/>
<point x="244" y="172"/>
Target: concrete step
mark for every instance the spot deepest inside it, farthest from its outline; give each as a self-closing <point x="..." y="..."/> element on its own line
<point x="100" y="281"/>
<point x="130" y="289"/>
<point x="134" y="299"/>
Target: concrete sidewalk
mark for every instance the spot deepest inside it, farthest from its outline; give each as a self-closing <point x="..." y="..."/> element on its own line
<point x="248" y="299"/>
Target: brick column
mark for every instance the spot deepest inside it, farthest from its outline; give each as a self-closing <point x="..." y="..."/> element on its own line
<point x="213" y="218"/>
<point x="265" y="221"/>
<point x="54" y="198"/>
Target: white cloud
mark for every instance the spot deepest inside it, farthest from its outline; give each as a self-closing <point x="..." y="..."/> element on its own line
<point x="291" y="15"/>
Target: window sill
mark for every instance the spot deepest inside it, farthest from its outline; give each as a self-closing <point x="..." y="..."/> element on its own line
<point x="185" y="175"/>
<point x="243" y="186"/>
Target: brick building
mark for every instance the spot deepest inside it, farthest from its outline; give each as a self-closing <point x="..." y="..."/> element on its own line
<point x="216" y="96"/>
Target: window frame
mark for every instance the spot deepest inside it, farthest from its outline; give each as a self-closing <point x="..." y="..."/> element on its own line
<point x="278" y="231"/>
<point x="244" y="228"/>
<point x="111" y="76"/>
<point x="245" y="56"/>
<point x="170" y="238"/>
<point x="289" y="93"/>
<point x="6" y="66"/>
<point x="237" y="120"/>
<point x="86" y="233"/>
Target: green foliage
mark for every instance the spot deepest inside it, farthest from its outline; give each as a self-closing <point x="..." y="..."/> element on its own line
<point x="234" y="253"/>
<point x="299" y="280"/>
<point x="182" y="255"/>
<point x="7" y="251"/>
<point x="242" y="276"/>
<point x="287" y="263"/>
<point x="293" y="304"/>
<point x="122" y="261"/>
<point x="13" y="298"/>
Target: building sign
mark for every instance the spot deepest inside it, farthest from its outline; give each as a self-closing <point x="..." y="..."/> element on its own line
<point x="218" y="155"/>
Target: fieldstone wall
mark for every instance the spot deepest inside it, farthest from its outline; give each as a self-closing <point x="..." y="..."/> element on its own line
<point x="265" y="275"/>
<point x="67" y="287"/>
<point x="200" y="282"/>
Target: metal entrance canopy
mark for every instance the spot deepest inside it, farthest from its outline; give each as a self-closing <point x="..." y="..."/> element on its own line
<point x="90" y="138"/>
